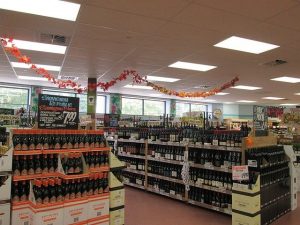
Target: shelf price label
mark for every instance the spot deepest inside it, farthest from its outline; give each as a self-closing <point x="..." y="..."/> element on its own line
<point x="240" y="173"/>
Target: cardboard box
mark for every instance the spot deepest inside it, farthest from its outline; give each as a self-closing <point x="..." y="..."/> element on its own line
<point x="117" y="198"/>
<point x="53" y="214"/>
<point x="5" y="214"/>
<point x="22" y="215"/>
<point x="238" y="219"/>
<point x="6" y="161"/>
<point x="5" y="189"/>
<point x="75" y="212"/>
<point x="117" y="217"/>
<point x="98" y="207"/>
<point x="104" y="220"/>
<point x="244" y="203"/>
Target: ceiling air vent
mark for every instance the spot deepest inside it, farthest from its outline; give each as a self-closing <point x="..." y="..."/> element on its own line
<point x="276" y="62"/>
<point x="54" y="39"/>
<point x="72" y="78"/>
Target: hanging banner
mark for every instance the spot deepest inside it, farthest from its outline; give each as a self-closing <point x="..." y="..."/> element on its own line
<point x="260" y="120"/>
<point x="58" y="112"/>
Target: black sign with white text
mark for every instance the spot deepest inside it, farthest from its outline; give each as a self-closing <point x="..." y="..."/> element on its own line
<point x="260" y="120"/>
<point x="58" y="112"/>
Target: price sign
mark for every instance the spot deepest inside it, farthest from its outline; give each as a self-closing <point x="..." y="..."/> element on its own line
<point x="260" y="120"/>
<point x="240" y="173"/>
<point x="58" y="112"/>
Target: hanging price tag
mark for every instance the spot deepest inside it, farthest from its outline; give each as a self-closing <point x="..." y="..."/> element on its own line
<point x="240" y="173"/>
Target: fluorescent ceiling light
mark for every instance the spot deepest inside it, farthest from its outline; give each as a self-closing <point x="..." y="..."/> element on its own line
<point x="272" y="98"/>
<point x="192" y="66"/>
<point x="163" y="79"/>
<point x="50" y="8"/>
<point x="27" y="66"/>
<point x="138" y="87"/>
<point x="32" y="78"/>
<point x="289" y="104"/>
<point x="209" y="100"/>
<point x="228" y="102"/>
<point x="244" y="87"/>
<point x="222" y="93"/>
<point x="156" y="95"/>
<point x="245" y="45"/>
<point x="246" y="101"/>
<point x="297" y="93"/>
<point x="37" y="46"/>
<point x="287" y="79"/>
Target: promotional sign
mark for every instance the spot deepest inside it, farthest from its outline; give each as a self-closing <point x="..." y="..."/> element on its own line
<point x="240" y="173"/>
<point x="58" y="112"/>
<point x="291" y="118"/>
<point x="111" y="120"/>
<point x="260" y="120"/>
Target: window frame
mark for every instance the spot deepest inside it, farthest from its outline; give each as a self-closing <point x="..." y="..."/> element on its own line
<point x="28" y="89"/>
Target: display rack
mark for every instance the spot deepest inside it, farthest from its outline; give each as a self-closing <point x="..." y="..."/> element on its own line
<point x="268" y="194"/>
<point x="60" y="177"/>
<point x="137" y="173"/>
<point x="5" y="177"/>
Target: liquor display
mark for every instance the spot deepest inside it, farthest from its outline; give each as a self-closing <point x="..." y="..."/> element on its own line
<point x="66" y="169"/>
<point x="132" y="163"/>
<point x="131" y="148"/>
<point x="166" y="152"/>
<point x="212" y="198"/>
<point x="166" y="187"/>
<point x="267" y="192"/>
<point x="216" y="158"/>
<point x="132" y="178"/>
<point x="165" y="169"/>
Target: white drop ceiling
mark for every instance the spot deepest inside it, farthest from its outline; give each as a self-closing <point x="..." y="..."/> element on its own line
<point x="148" y="35"/>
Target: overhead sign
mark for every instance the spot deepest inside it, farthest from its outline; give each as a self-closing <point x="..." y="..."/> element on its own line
<point x="260" y="120"/>
<point x="58" y="112"/>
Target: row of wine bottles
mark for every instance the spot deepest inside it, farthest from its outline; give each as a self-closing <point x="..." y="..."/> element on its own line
<point x="167" y="152"/>
<point x="210" y="197"/>
<point x="265" y="156"/>
<point x="96" y="159"/>
<point x="216" y="158"/>
<point x="54" y="189"/>
<point x="205" y="137"/>
<point x="211" y="178"/>
<point x="131" y="148"/>
<point x="166" y="186"/>
<point x="72" y="163"/>
<point x="132" y="163"/>
<point x="37" y="164"/>
<point x="37" y="140"/>
<point x="134" y="178"/>
<point x="165" y="169"/>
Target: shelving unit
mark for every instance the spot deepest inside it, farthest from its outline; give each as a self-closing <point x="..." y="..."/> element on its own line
<point x="186" y="147"/>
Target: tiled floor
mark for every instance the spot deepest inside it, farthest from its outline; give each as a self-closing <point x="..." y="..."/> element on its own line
<point x="143" y="208"/>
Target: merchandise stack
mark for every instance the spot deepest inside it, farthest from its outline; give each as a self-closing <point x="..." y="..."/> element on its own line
<point x="267" y="194"/>
<point x="60" y="177"/>
<point x="5" y="177"/>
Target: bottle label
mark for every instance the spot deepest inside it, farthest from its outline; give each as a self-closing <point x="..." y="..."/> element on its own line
<point x="24" y="147"/>
<point x="172" y="192"/>
<point x="215" y="142"/>
<point x="46" y="200"/>
<point x="213" y="183"/>
<point x="31" y="171"/>
<point x="32" y="146"/>
<point x="174" y="173"/>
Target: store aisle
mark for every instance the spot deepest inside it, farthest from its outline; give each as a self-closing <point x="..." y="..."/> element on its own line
<point x="144" y="208"/>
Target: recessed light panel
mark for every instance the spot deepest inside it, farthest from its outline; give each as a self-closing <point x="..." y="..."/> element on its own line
<point x="292" y="80"/>
<point x="222" y="93"/>
<point x="51" y="8"/>
<point x="209" y="100"/>
<point x="245" y="45"/>
<point x="192" y="66"/>
<point x="297" y="93"/>
<point x="245" y="87"/>
<point x="289" y="104"/>
<point x="32" y="78"/>
<point x="245" y="101"/>
<point x="138" y="87"/>
<point x="272" y="98"/>
<point x="27" y="66"/>
<point x="37" y="46"/>
<point x="162" y="79"/>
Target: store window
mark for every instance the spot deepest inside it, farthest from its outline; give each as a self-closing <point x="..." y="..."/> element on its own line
<point x="82" y="103"/>
<point x="132" y="106"/>
<point x="198" y="108"/>
<point x="101" y="104"/>
<point x="60" y="93"/>
<point x="13" y="97"/>
<point x="154" y="108"/>
<point x="182" y="108"/>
